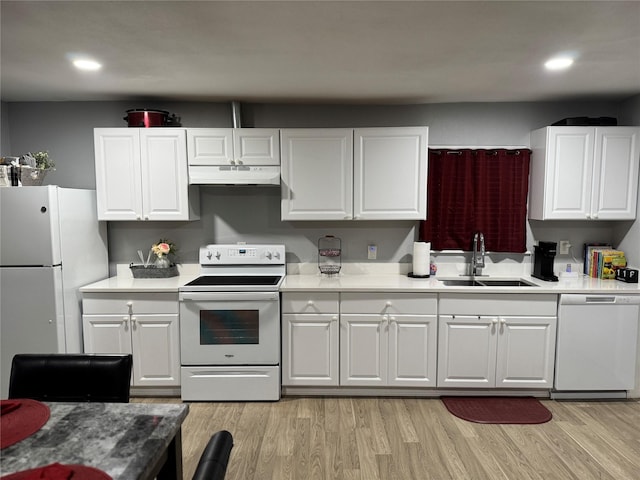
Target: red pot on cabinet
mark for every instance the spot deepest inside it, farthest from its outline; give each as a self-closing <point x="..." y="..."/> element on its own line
<point x="141" y="117"/>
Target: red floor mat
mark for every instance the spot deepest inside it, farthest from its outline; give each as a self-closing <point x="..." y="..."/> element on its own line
<point x="523" y="410"/>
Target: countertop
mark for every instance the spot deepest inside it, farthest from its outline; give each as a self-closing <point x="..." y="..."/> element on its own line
<point x="387" y="280"/>
<point x="403" y="283"/>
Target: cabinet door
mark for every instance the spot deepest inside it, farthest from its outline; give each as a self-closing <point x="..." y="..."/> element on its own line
<point x="256" y="146"/>
<point x="615" y="176"/>
<point x="467" y="351"/>
<point x="156" y="346"/>
<point x="569" y="173"/>
<point x="118" y="174"/>
<point x="526" y="352"/>
<point x="106" y="333"/>
<point x="317" y="174"/>
<point x="164" y="173"/>
<point x="363" y="350"/>
<point x="210" y="146"/>
<point x="390" y="173"/>
<point x="412" y="350"/>
<point x="310" y="349"/>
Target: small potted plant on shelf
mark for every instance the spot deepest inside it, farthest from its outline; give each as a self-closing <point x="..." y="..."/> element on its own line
<point x="34" y="167"/>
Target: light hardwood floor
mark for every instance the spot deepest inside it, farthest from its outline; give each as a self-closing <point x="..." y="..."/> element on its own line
<point x="301" y="438"/>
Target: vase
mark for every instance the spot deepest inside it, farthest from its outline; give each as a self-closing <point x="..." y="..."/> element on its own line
<point x="162" y="262"/>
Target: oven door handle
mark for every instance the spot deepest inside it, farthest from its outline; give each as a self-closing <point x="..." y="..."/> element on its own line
<point x="229" y="296"/>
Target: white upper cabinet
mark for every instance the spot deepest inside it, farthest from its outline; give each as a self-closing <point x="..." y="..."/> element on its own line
<point x="141" y="174"/>
<point x="361" y="174"/>
<point x="390" y="173"/>
<point x="584" y="173"/>
<point x="233" y="146"/>
<point x="317" y="174"/>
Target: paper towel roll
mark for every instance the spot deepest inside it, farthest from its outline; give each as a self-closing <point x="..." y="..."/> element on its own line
<point x="421" y="258"/>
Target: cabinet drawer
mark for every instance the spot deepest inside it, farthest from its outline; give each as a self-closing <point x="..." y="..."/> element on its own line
<point x="118" y="303"/>
<point x="391" y="303"/>
<point x="309" y="302"/>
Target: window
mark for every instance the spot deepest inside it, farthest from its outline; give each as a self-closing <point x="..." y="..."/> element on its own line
<point x="477" y="191"/>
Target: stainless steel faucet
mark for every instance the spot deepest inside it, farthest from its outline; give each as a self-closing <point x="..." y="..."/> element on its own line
<point x="477" y="259"/>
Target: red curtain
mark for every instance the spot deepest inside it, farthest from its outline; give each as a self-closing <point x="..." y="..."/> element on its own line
<point x="477" y="191"/>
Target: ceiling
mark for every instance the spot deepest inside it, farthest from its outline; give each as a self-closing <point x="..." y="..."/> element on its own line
<point x="383" y="52"/>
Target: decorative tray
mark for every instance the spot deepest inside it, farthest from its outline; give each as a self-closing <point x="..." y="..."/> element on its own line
<point x="151" y="271"/>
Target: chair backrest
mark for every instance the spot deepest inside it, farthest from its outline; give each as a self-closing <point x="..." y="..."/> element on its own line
<point x="60" y="377"/>
<point x="215" y="457"/>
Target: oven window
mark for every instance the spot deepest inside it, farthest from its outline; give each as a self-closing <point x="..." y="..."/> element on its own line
<point x="229" y="327"/>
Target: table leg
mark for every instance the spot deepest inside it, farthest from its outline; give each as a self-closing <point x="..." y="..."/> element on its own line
<point x="172" y="468"/>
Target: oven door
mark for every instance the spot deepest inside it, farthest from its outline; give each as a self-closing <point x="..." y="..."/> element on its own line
<point x="230" y="328"/>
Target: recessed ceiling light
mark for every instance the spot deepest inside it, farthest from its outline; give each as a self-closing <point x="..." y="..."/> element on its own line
<point x="558" y="63"/>
<point x="86" y="64"/>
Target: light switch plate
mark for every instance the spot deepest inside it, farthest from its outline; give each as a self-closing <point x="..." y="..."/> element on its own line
<point x="372" y="252"/>
<point x="565" y="245"/>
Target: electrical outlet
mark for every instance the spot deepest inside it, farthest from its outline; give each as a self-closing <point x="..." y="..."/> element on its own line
<point x="372" y="252"/>
<point x="565" y="245"/>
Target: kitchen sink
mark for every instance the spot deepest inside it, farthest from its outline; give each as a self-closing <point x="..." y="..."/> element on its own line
<point x="460" y="283"/>
<point x="507" y="283"/>
<point x="486" y="282"/>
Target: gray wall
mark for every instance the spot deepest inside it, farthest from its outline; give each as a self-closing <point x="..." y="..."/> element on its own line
<point x="252" y="214"/>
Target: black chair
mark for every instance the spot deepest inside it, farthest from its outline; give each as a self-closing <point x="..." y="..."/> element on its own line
<point x="215" y="458"/>
<point x="60" y="377"/>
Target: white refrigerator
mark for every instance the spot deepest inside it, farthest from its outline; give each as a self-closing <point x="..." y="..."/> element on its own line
<point x="51" y="244"/>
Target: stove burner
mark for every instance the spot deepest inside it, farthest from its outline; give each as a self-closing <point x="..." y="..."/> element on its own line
<point x="225" y="280"/>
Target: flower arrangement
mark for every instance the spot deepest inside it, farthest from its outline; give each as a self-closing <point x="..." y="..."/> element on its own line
<point x="164" y="247"/>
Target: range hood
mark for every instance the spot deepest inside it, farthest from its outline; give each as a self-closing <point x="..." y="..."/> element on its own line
<point x="248" y="171"/>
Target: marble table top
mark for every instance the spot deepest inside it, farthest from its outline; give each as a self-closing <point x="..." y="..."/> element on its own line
<point x="125" y="440"/>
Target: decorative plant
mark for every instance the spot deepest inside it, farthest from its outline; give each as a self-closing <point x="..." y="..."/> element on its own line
<point x="164" y="247"/>
<point x="42" y="160"/>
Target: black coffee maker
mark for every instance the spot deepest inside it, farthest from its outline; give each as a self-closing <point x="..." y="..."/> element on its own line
<point x="543" y="256"/>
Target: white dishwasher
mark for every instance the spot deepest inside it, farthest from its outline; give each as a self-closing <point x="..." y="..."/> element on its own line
<point x="596" y="346"/>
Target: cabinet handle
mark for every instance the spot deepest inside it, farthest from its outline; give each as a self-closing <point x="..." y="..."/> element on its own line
<point x="588" y="217"/>
<point x="133" y="320"/>
<point x="50" y="321"/>
<point x="125" y="320"/>
<point x="502" y="321"/>
<point x="595" y="215"/>
<point x="334" y="318"/>
<point x="310" y="302"/>
<point x="392" y="319"/>
<point x="388" y="304"/>
<point x="494" y="321"/>
<point x="232" y="161"/>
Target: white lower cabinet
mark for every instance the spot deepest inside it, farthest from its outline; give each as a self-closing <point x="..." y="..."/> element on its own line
<point x="496" y="341"/>
<point x="388" y="339"/>
<point x="143" y="324"/>
<point x="310" y="339"/>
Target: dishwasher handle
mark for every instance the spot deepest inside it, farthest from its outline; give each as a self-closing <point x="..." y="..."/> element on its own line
<point x="574" y="299"/>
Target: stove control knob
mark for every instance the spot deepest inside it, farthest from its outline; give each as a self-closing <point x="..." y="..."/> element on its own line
<point x="209" y="254"/>
<point x="218" y="255"/>
<point x="277" y="255"/>
<point x="268" y="255"/>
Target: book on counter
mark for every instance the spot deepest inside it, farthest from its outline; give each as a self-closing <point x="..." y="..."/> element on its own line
<point x="602" y="261"/>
